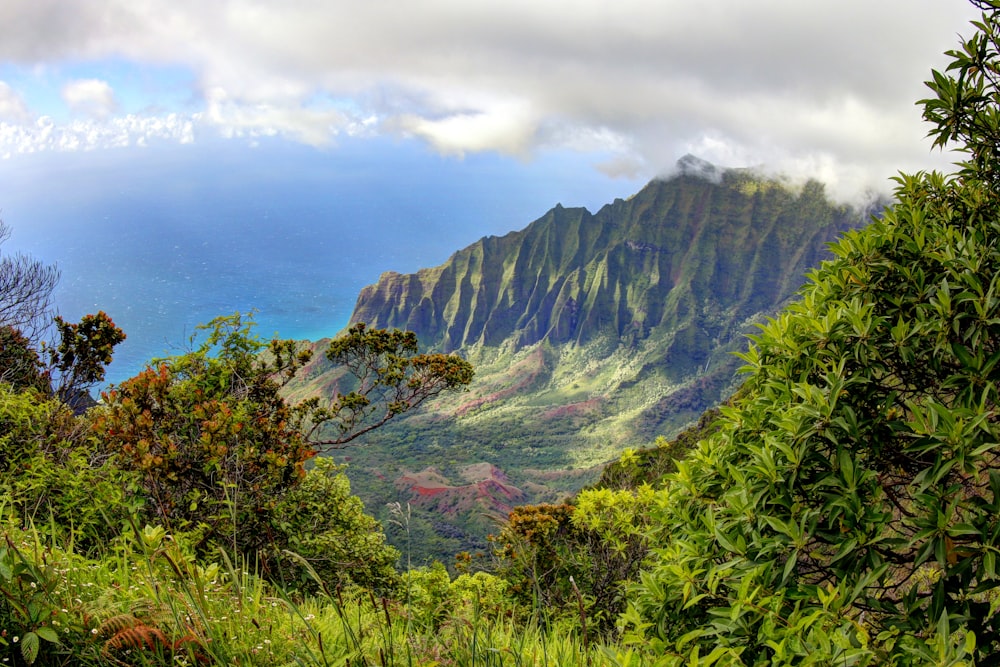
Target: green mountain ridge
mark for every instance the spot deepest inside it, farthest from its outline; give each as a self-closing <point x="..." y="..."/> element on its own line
<point x="632" y="267"/>
<point x="590" y="333"/>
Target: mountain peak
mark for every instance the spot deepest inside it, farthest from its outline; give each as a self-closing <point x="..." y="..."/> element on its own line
<point x="589" y="332"/>
<point x="691" y="165"/>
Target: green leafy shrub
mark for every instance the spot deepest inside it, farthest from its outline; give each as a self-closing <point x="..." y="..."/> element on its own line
<point x="327" y="527"/>
<point x="572" y="562"/>
<point x="20" y="365"/>
<point x="212" y="439"/>
<point x="50" y="473"/>
<point x="425" y="592"/>
<point x="431" y="598"/>
<point x="847" y="510"/>
<point x="25" y="426"/>
<point x="221" y="455"/>
<point x="33" y="621"/>
<point x="479" y="594"/>
<point x="78" y="496"/>
<point x="78" y="361"/>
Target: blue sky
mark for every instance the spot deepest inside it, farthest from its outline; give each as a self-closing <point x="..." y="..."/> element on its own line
<point x="384" y="135"/>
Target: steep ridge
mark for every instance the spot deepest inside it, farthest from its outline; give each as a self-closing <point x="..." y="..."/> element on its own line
<point x="590" y="333"/>
<point x="739" y="246"/>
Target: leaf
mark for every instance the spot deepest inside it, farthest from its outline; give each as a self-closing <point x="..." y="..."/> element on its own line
<point x="29" y="647"/>
<point x="965" y="357"/>
<point x="789" y="566"/>
<point x="48" y="634"/>
<point x="846" y="547"/>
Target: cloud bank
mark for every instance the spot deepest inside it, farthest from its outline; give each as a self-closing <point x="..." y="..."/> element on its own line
<point x="821" y="89"/>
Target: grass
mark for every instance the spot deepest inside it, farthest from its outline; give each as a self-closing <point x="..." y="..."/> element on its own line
<point x="146" y="602"/>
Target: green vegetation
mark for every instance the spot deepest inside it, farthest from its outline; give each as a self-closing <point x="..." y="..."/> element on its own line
<point x="204" y="453"/>
<point x="846" y="510"/>
<point x="660" y="307"/>
<point x="842" y="508"/>
<point x="147" y="602"/>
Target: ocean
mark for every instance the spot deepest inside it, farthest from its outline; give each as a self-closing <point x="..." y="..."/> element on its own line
<point x="166" y="238"/>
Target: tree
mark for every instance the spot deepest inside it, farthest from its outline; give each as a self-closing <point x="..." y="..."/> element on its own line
<point x="848" y="509"/>
<point x="327" y="528"/>
<point x="965" y="109"/>
<point x="20" y="366"/>
<point x="26" y="286"/>
<point x="80" y="359"/>
<point x="573" y="561"/>
<point x="217" y="444"/>
<point x="213" y="439"/>
<point x="392" y="378"/>
<point x="76" y="362"/>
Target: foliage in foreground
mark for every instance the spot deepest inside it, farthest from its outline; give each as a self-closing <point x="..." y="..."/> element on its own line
<point x="219" y="451"/>
<point x="847" y="510"/>
<point x="147" y="601"/>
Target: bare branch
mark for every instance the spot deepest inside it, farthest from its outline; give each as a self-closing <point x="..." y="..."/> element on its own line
<point x="26" y="286"/>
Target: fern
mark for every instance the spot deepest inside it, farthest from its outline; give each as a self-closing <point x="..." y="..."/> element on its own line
<point x="124" y="633"/>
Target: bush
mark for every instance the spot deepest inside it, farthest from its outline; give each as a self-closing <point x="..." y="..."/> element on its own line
<point x="572" y="562"/>
<point x="324" y="525"/>
<point x="847" y="510"/>
<point x="50" y="473"/>
<point x="212" y="440"/>
<point x="20" y="365"/>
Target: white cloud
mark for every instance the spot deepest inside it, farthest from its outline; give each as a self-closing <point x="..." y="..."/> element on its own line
<point x="131" y="130"/>
<point x="828" y="86"/>
<point x="12" y="106"/>
<point x="316" y="127"/>
<point x="91" y="97"/>
<point x="505" y="126"/>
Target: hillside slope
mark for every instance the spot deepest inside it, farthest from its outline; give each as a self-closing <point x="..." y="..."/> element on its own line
<point x="590" y="333"/>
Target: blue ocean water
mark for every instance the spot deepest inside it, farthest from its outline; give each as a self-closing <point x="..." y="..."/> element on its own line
<point x="166" y="238"/>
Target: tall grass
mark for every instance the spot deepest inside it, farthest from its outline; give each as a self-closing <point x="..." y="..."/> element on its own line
<point x="146" y="601"/>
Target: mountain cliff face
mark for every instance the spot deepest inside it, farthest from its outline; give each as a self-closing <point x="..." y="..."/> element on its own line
<point x="589" y="333"/>
<point x="686" y="257"/>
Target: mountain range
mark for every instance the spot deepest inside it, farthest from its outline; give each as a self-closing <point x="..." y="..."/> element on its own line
<point x="590" y="333"/>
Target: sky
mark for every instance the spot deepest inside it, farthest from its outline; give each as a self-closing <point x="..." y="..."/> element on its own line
<point x="825" y="89"/>
<point x="360" y="137"/>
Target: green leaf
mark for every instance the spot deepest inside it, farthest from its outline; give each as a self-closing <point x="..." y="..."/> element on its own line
<point x="846" y="547"/>
<point x="943" y="627"/>
<point x="965" y="357"/>
<point x="48" y="634"/>
<point x="789" y="566"/>
<point x="961" y="529"/>
<point x="29" y="647"/>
